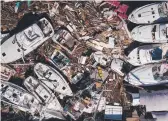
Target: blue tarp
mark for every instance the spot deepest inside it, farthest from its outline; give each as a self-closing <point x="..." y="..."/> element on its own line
<point x="156" y="54"/>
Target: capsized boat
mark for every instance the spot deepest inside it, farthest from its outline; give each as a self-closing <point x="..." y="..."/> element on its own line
<point x="156" y="33"/>
<point x="19" y="98"/>
<point x="151" y="13"/>
<point x="52" y="107"/>
<point x="146" y="54"/>
<point x="152" y="74"/>
<point x="53" y="79"/>
<point x="24" y="42"/>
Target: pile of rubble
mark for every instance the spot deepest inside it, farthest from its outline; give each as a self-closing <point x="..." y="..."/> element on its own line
<point x="70" y="57"/>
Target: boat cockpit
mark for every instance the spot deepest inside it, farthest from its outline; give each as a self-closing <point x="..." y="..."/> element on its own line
<point x="160" y="72"/>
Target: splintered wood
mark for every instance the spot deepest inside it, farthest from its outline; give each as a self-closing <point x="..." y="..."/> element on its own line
<point x="113" y="89"/>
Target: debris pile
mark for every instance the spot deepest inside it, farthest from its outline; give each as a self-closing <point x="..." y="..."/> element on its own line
<point x="70" y="58"/>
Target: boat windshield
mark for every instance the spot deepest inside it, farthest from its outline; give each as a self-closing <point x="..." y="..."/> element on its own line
<point x="163" y="9"/>
<point x="160" y="72"/>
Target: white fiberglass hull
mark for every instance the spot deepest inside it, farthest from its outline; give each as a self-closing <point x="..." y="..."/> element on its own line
<point x="24" y="42"/>
<point x="142" y="55"/>
<point x="147" y="14"/>
<point x="152" y="74"/>
<point x="51" y="106"/>
<point x="53" y="79"/>
<point x="19" y="98"/>
<point x="156" y="33"/>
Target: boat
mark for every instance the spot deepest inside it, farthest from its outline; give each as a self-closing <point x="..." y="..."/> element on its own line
<point x="150" y="13"/>
<point x="156" y="33"/>
<point x="153" y="53"/>
<point x="59" y="59"/>
<point x="26" y="41"/>
<point x="19" y="98"/>
<point x="53" y="79"/>
<point x="3" y="35"/>
<point x="52" y="107"/>
<point x="65" y="40"/>
<point x="146" y="75"/>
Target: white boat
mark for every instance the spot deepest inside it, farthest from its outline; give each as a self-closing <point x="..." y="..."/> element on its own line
<point x="53" y="79"/>
<point x="156" y="33"/>
<point x="148" y="54"/>
<point x="24" y="42"/>
<point x="151" y="13"/>
<point x="19" y="98"/>
<point x="52" y="107"/>
<point x="2" y="36"/>
<point x="152" y="74"/>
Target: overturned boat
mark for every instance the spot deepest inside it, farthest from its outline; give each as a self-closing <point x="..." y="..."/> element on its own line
<point x="151" y="13"/>
<point x="24" y="42"/>
<point x="52" y="108"/>
<point x="152" y="74"/>
<point x="145" y="54"/>
<point x="53" y="79"/>
<point x="19" y="98"/>
<point x="156" y="33"/>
